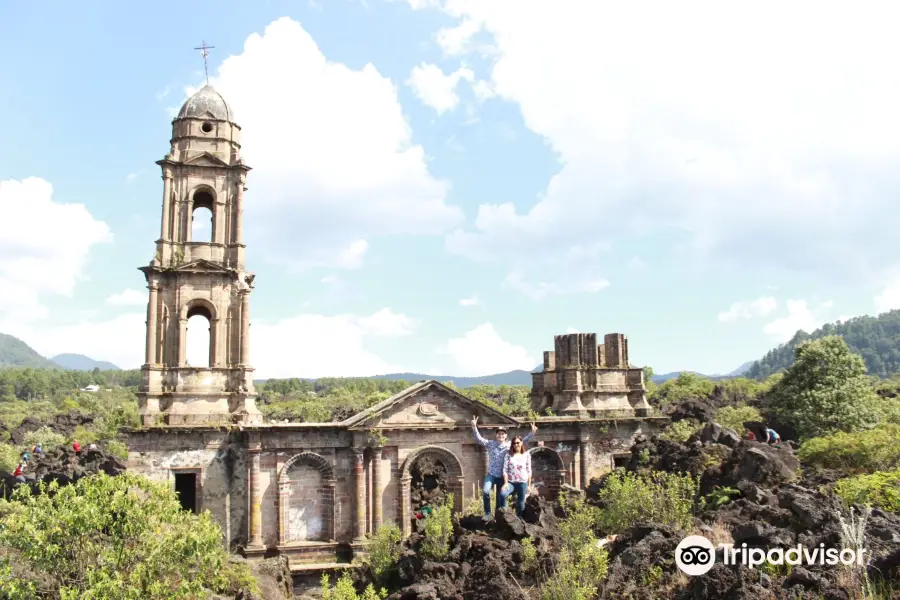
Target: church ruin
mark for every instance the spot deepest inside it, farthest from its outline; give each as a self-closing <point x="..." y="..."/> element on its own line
<point x="313" y="491"/>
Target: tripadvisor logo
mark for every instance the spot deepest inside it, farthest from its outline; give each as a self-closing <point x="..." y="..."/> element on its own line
<point x="695" y="555"/>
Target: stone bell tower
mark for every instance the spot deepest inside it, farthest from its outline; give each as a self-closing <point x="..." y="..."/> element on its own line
<point x="207" y="278"/>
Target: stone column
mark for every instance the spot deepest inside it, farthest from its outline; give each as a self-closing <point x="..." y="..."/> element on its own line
<point x="583" y="457"/>
<point x="405" y="502"/>
<point x="245" y="327"/>
<point x="182" y="342"/>
<point x="238" y="209"/>
<point x="376" y="485"/>
<point x="360" y="476"/>
<point x="167" y="205"/>
<point x="152" y="325"/>
<point x="255" y="498"/>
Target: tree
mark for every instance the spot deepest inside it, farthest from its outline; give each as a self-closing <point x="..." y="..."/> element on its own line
<point x="111" y="537"/>
<point x="826" y="390"/>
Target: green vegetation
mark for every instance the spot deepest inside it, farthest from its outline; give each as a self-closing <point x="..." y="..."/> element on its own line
<point x="16" y="353"/>
<point x="657" y="496"/>
<point x="880" y="489"/>
<point x="876" y="339"/>
<point x="111" y="537"/>
<point x="877" y="449"/>
<point x="826" y="390"/>
<point x="344" y="590"/>
<point x="734" y="417"/>
<point x="680" y="431"/>
<point x="384" y="551"/>
<point x="439" y="530"/>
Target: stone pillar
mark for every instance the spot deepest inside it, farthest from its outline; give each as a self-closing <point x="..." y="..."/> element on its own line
<point x="583" y="457"/>
<point x="167" y="205"/>
<point x="405" y="506"/>
<point x="360" y="476"/>
<point x="152" y="325"/>
<point x="245" y="327"/>
<point x="182" y="342"/>
<point x="255" y="498"/>
<point x="376" y="487"/>
<point x="238" y="209"/>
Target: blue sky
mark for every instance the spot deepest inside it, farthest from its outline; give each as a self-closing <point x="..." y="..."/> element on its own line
<point x="444" y="186"/>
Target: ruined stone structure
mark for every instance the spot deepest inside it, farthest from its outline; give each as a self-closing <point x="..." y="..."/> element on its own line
<point x="313" y="491"/>
<point x="582" y="378"/>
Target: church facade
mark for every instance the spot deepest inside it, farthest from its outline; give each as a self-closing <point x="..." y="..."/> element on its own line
<point x="313" y="491"/>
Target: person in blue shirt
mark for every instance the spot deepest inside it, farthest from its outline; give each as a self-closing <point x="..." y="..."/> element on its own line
<point x="497" y="450"/>
<point x="772" y="436"/>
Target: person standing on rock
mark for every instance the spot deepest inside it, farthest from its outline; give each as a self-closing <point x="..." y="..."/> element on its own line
<point x="517" y="472"/>
<point x="18" y="474"/>
<point x="76" y="447"/>
<point x="496" y="449"/>
<point x="772" y="436"/>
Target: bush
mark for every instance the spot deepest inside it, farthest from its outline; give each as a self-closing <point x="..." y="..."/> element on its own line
<point x="733" y="417"/>
<point x="9" y="457"/>
<point x="439" y="530"/>
<point x="111" y="537"/>
<point x="680" y="431"/>
<point x="46" y="437"/>
<point x="877" y="449"/>
<point x="344" y="589"/>
<point x="581" y="565"/>
<point x="629" y="498"/>
<point x="686" y="385"/>
<point x="117" y="449"/>
<point x="880" y="489"/>
<point x="384" y="550"/>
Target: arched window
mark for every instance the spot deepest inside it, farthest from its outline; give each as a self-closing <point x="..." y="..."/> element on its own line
<point x="202" y="218"/>
<point x="198" y="348"/>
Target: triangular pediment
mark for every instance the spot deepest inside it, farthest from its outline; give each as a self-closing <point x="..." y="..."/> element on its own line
<point x="202" y="266"/>
<point x="207" y="159"/>
<point x="425" y="405"/>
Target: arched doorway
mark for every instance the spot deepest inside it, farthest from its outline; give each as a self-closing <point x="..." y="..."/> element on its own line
<point x="306" y="500"/>
<point x="548" y="472"/>
<point x="436" y="472"/>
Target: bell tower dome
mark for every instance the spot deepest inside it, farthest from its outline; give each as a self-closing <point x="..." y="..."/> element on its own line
<point x="204" y="277"/>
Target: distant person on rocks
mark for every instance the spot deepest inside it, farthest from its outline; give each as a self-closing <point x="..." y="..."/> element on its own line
<point x="772" y="436"/>
<point x="497" y="449"/>
<point x="751" y="436"/>
<point x="92" y="446"/>
<point x="26" y="455"/>
<point x="517" y="473"/>
<point x="76" y="447"/>
<point x="37" y="449"/>
<point x="18" y="474"/>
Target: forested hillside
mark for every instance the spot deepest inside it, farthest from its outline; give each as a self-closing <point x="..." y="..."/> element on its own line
<point x="16" y="353"/>
<point x="876" y="339"/>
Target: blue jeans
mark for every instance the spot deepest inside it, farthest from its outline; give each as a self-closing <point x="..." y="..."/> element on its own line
<point x="520" y="488"/>
<point x="489" y="482"/>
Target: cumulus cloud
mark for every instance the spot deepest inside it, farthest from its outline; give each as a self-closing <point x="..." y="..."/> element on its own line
<point x="435" y="88"/>
<point x="800" y="317"/>
<point x="334" y="161"/>
<point x="482" y="351"/>
<point x="127" y="297"/>
<point x="472" y="300"/>
<point x="776" y="153"/>
<point x="46" y="251"/>
<point x="747" y="309"/>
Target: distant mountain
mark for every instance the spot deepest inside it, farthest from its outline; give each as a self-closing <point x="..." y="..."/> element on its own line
<point x="742" y="370"/>
<point x="876" y="339"/>
<point x="517" y="377"/>
<point x="80" y="362"/>
<point x="16" y="353"/>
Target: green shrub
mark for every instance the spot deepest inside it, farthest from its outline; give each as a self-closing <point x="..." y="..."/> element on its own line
<point x="733" y="417"/>
<point x="686" y="385"/>
<point x="529" y="554"/>
<point x="877" y="449"/>
<point x="111" y="537"/>
<point x="680" y="431"/>
<point x="384" y="550"/>
<point x="344" y="590"/>
<point x="581" y="566"/>
<point x="439" y="530"/>
<point x="46" y="437"/>
<point x="9" y="457"/>
<point x="117" y="449"/>
<point x="85" y="436"/>
<point x="660" y="497"/>
<point x="880" y="489"/>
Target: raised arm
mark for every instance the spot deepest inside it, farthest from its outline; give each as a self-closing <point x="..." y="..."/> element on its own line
<point x="530" y="436"/>
<point x="478" y="437"/>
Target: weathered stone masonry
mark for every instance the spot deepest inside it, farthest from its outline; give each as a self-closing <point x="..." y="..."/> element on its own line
<point x="313" y="491"/>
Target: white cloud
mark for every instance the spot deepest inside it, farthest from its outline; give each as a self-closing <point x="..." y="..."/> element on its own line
<point x="435" y="88"/>
<point x="305" y="345"/>
<point x="46" y="250"/>
<point x="482" y="351"/>
<point x="128" y="297"/>
<point x="334" y="160"/>
<point x="747" y="309"/>
<point x="800" y="317"/>
<point x="472" y="300"/>
<point x="742" y="150"/>
<point x="131" y="177"/>
<point x="889" y="298"/>
<point x="572" y="330"/>
<point x="562" y="287"/>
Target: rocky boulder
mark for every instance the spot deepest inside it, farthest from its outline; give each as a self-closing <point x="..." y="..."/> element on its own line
<point x="63" y="465"/>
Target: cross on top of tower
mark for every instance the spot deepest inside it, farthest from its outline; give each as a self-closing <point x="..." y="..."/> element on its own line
<point x="204" y="51"/>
